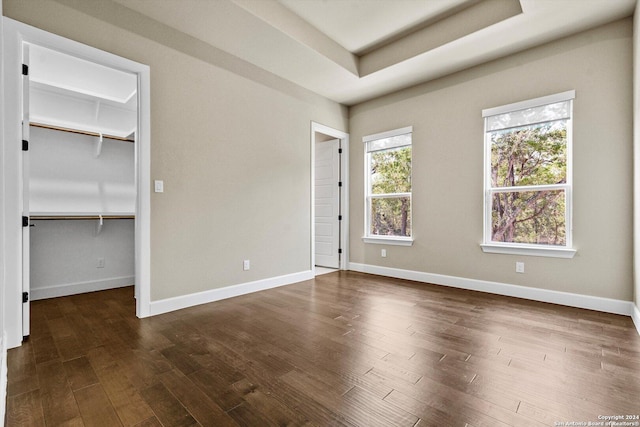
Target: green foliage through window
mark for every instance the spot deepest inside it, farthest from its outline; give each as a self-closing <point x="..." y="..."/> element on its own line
<point x="529" y="156"/>
<point x="389" y="191"/>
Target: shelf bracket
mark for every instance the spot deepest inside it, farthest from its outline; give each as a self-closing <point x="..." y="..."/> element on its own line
<point x="99" y="225"/>
<point x="99" y="146"/>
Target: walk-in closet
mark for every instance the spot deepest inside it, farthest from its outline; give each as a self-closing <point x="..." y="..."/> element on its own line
<point x="79" y="175"/>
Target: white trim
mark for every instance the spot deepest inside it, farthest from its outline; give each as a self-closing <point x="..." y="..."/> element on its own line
<point x="388" y="134"/>
<point x="344" y="198"/>
<point x="606" y="305"/>
<point x="3" y="334"/>
<point x="66" y="289"/>
<point x="635" y="316"/>
<point x="143" y="202"/>
<point x="186" y="301"/>
<point x="543" y="251"/>
<point x="530" y="103"/>
<point x="17" y="33"/>
<point x="520" y="188"/>
<point x="3" y="374"/>
<point x="394" y="241"/>
<point x="368" y="197"/>
<point x="490" y="246"/>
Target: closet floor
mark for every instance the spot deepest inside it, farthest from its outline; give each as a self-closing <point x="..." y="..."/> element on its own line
<point x="343" y="349"/>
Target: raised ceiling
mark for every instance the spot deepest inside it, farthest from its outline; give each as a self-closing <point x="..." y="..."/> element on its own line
<point x="359" y="25"/>
<point x="354" y="50"/>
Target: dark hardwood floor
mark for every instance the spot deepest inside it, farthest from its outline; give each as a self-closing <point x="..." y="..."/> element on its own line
<point x="344" y="349"/>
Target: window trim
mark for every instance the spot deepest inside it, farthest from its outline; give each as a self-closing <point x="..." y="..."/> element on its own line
<point x="371" y="238"/>
<point x="489" y="246"/>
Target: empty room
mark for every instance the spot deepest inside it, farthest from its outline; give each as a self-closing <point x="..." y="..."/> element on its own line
<point x="320" y="213"/>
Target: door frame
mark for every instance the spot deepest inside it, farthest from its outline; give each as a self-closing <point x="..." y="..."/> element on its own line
<point x="15" y="34"/>
<point x="344" y="194"/>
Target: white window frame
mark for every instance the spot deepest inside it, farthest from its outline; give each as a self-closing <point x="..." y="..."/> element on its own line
<point x="490" y="246"/>
<point x="372" y="238"/>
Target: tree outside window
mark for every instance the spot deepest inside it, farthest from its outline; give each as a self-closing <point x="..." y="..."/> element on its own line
<point x="388" y="191"/>
<point x="528" y="175"/>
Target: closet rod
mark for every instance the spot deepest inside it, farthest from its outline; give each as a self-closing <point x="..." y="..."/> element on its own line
<point x="48" y="217"/>
<point x="82" y="132"/>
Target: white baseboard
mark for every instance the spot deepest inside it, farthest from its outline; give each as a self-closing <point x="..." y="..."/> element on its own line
<point x="80" y="287"/>
<point x="635" y="315"/>
<point x="190" y="300"/>
<point x="607" y="305"/>
<point x="3" y="375"/>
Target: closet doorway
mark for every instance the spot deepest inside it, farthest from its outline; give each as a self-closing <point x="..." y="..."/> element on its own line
<point x="81" y="173"/>
<point x="80" y="121"/>
<point x="330" y="148"/>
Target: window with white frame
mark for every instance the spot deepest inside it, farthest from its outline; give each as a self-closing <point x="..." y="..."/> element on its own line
<point x="388" y="186"/>
<point x="528" y="177"/>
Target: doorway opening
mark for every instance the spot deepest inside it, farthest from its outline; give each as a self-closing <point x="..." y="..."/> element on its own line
<point x="329" y="199"/>
<point x="80" y="121"/>
<point x="81" y="173"/>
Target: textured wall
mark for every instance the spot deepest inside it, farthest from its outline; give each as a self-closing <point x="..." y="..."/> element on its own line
<point x="230" y="141"/>
<point x="446" y="116"/>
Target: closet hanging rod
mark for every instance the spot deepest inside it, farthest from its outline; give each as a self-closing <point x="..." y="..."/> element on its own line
<point x="81" y="132"/>
<point x="74" y="217"/>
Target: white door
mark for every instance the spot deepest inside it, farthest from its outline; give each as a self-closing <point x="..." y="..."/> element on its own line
<point x="327" y="200"/>
<point x="26" y="253"/>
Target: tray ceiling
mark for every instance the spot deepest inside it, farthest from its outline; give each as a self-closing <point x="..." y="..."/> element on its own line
<point x="354" y="50"/>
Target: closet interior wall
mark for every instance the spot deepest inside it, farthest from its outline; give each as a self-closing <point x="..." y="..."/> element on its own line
<point x="73" y="180"/>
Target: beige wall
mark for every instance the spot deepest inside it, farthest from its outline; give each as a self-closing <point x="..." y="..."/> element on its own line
<point x="636" y="154"/>
<point x="448" y="165"/>
<point x="230" y="141"/>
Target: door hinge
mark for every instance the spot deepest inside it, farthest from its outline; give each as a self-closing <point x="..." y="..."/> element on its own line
<point x="25" y="145"/>
<point x="340" y="250"/>
<point x="25" y="221"/>
<point x="25" y="297"/>
<point x="339" y="217"/>
<point x="340" y="184"/>
<point x="25" y="70"/>
<point x="339" y="150"/>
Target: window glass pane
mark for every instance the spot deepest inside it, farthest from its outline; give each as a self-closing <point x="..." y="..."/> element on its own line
<point x="543" y="113"/>
<point x="529" y="155"/>
<point x="391" y="171"/>
<point x="534" y="217"/>
<point x="391" y="216"/>
<point x="391" y="142"/>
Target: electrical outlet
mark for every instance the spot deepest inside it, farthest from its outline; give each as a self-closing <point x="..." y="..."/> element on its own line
<point x="158" y="186"/>
<point x="519" y="267"/>
<point x="383" y="253"/>
<point x="246" y="265"/>
<point x="100" y="263"/>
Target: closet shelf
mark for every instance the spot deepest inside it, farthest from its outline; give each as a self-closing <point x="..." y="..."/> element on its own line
<point x="82" y="132"/>
<point x="80" y="215"/>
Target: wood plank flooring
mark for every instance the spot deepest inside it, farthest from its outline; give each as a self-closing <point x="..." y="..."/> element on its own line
<point x="345" y="349"/>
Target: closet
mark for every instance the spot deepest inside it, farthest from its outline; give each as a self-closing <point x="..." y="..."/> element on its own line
<point x="79" y="174"/>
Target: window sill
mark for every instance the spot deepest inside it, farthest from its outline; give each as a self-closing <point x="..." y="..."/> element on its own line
<point x="546" y="251"/>
<point x="397" y="241"/>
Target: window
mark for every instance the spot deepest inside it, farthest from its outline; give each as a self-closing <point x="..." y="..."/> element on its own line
<point x="388" y="187"/>
<point x="528" y="177"/>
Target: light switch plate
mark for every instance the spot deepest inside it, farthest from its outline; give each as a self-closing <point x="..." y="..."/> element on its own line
<point x="158" y="186"/>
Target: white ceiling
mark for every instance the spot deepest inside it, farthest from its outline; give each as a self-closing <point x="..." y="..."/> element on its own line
<point x="360" y="24"/>
<point x="354" y="50"/>
<point x="68" y="92"/>
<point x="78" y="75"/>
